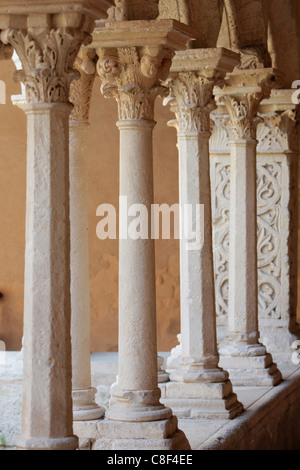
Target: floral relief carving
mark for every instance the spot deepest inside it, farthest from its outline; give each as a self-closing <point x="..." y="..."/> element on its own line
<point x="191" y="99"/>
<point x="81" y="88"/>
<point x="269" y="212"/>
<point x="47" y="61"/>
<point x="220" y="176"/>
<point x="279" y="132"/>
<point x="269" y="216"/>
<point x="133" y="77"/>
<point x="242" y="119"/>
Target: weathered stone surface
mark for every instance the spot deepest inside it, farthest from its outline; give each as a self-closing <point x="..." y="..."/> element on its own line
<point x="192" y="78"/>
<point x="276" y="226"/>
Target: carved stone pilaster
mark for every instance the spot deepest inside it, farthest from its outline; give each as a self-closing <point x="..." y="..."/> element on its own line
<point x="47" y="60"/>
<point x="132" y="76"/>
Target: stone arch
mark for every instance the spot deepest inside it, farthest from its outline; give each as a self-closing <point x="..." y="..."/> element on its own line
<point x="244" y="28"/>
<point x="205" y="16"/>
<point x="176" y="9"/>
<point x="283" y="37"/>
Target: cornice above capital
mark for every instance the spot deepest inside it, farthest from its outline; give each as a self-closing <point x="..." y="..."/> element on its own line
<point x="67" y="13"/>
<point x="210" y="63"/>
<point x="252" y="80"/>
<point x="171" y="34"/>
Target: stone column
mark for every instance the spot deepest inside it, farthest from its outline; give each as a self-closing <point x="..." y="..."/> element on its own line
<point x="84" y="406"/>
<point x="198" y="387"/>
<point x="277" y="170"/>
<point x="243" y="356"/>
<point x="47" y="45"/>
<point x="132" y="75"/>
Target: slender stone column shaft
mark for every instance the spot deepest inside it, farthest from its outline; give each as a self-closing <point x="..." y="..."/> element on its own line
<point x="137" y="384"/>
<point x="80" y="330"/>
<point x="47" y="343"/>
<point x="137" y="306"/>
<point x="84" y="407"/>
<point x="198" y="326"/>
<point x="242" y="309"/>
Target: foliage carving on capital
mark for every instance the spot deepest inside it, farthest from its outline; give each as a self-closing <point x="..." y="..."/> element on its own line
<point x="280" y="131"/>
<point x="191" y="99"/>
<point x="47" y="59"/>
<point x="81" y="88"/>
<point x="242" y="119"/>
<point x="133" y="77"/>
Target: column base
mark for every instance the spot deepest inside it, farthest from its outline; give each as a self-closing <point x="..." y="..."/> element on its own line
<point x="63" y="443"/>
<point x="84" y="406"/>
<point x="162" y="375"/>
<point x="201" y="400"/>
<point x="247" y="366"/>
<point x="197" y="370"/>
<point x="279" y="341"/>
<point x="136" y="406"/>
<point x="156" y="435"/>
<point x="198" y="375"/>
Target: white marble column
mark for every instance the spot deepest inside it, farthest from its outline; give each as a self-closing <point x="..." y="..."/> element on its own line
<point x="243" y="355"/>
<point x="47" y="46"/>
<point x="132" y="75"/>
<point x="198" y="387"/>
<point x="84" y="406"/>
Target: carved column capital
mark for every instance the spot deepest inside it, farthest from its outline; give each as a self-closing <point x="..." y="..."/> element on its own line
<point x="81" y="88"/>
<point x="241" y="96"/>
<point x="242" y="119"/>
<point x="279" y="132"/>
<point x="192" y="101"/>
<point x="194" y="73"/>
<point x="132" y="75"/>
<point x="47" y="58"/>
